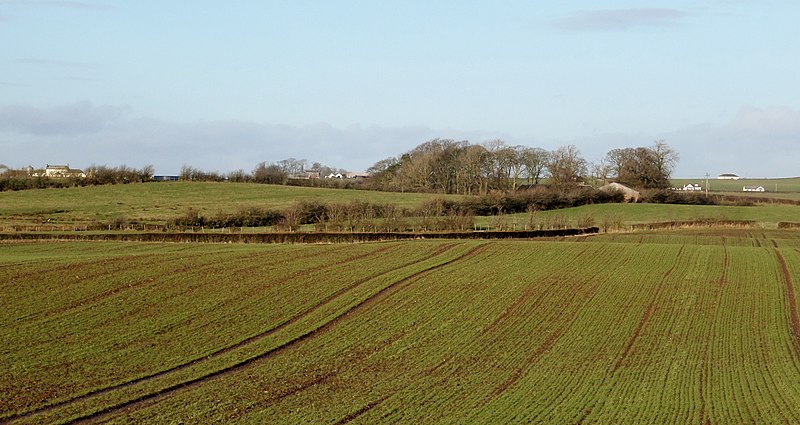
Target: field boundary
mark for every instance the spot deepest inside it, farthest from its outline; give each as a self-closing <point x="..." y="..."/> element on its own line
<point x="297" y="237"/>
<point x="746" y="224"/>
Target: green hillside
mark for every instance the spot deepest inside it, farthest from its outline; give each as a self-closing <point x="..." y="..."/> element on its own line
<point x="159" y="202"/>
<point x="772" y="186"/>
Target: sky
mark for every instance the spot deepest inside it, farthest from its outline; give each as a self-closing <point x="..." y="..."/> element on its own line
<point x="224" y="85"/>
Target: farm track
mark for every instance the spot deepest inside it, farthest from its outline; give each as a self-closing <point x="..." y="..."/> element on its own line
<point x="794" y="319"/>
<point x="240" y="344"/>
<point x="192" y="383"/>
<point x="359" y="412"/>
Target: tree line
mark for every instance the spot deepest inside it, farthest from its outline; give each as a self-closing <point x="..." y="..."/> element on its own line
<point x="13" y="179"/>
<point x="436" y="166"/>
<point x="459" y="167"/>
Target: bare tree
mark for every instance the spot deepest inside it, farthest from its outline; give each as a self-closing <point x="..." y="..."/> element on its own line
<point x="566" y="166"/>
<point x="534" y="160"/>
<point x="666" y="157"/>
<point x="270" y="174"/>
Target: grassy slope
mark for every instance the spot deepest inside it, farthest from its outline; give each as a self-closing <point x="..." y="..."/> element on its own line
<point x="158" y="202"/>
<point x="783" y="185"/>
<point x="648" y="328"/>
<point x="767" y="215"/>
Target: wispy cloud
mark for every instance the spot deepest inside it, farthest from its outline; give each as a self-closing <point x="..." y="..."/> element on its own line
<point x="620" y="19"/>
<point x="73" y="119"/>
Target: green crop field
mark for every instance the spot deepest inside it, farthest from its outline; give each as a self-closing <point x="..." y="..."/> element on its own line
<point x="691" y="326"/>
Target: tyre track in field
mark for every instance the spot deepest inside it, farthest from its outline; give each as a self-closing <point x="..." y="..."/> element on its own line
<point x="244" y="363"/>
<point x="647" y="313"/>
<point x="361" y="411"/>
<point x="293" y="275"/>
<point x="794" y="319"/>
<point x="224" y="350"/>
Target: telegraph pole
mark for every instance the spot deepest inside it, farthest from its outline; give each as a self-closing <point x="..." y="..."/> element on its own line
<point x="707" y="184"/>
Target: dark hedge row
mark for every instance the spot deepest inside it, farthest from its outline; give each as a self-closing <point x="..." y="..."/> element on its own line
<point x="297" y="237"/>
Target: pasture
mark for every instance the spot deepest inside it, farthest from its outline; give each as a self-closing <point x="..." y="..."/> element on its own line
<point x="694" y="326"/>
<point x="160" y="202"/>
<point x="773" y="186"/>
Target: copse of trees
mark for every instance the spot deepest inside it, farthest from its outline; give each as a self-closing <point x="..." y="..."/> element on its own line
<point x="458" y="167"/>
<point x="644" y="167"/>
<point x="450" y="166"/>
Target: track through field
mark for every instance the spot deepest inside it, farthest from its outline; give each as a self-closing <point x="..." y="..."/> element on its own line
<point x="192" y="383"/>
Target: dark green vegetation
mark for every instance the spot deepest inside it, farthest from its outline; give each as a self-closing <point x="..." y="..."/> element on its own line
<point x="695" y="326"/>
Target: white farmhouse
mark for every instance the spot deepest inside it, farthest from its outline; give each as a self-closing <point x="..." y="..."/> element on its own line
<point x="61" y="171"/>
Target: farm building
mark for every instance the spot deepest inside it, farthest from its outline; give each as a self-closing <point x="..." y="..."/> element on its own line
<point x="59" y="171"/>
<point x="629" y="194"/>
<point x="753" y="189"/>
<point x="728" y="176"/>
<point x="692" y="187"/>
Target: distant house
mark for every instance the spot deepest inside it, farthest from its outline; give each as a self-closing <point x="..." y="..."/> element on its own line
<point x="692" y="187"/>
<point x="753" y="189"/>
<point x="60" y="171"/>
<point x="728" y="176"/>
<point x="354" y="175"/>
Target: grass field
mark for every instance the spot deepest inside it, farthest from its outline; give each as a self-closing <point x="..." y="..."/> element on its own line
<point x="159" y="202"/>
<point x="765" y="215"/>
<point x="771" y="186"/>
<point x="681" y="327"/>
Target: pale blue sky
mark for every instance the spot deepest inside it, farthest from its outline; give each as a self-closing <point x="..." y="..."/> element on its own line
<point x="224" y="85"/>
